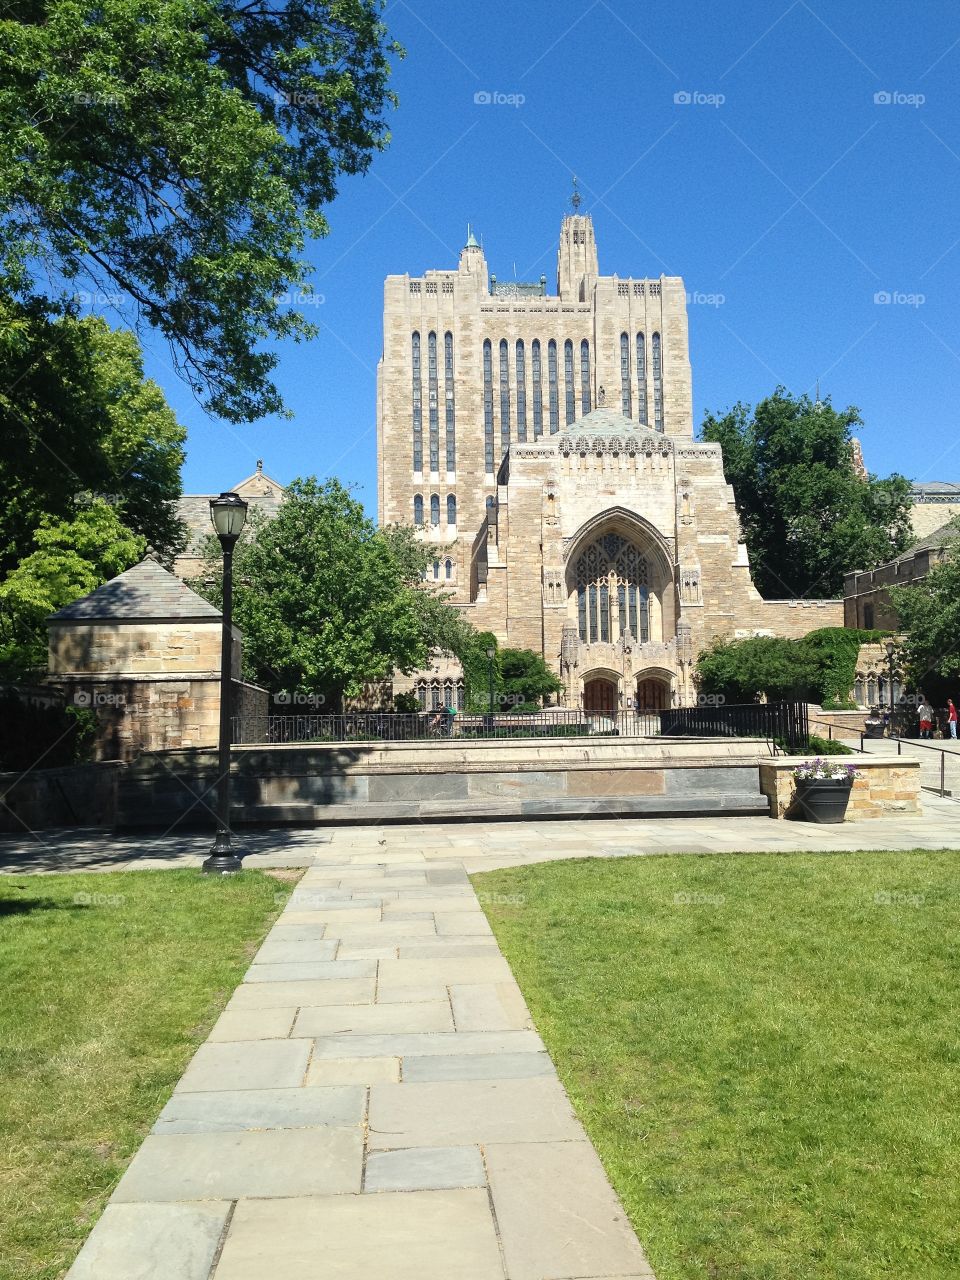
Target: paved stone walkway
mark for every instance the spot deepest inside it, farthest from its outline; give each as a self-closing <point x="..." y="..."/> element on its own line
<point x="485" y="845"/>
<point x="373" y="1104"/>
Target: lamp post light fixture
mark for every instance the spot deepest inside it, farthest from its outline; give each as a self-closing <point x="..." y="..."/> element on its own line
<point x="229" y="514"/>
<point x="491" y="654"/>
<point x="891" y="649"/>
<point x="627" y="641"/>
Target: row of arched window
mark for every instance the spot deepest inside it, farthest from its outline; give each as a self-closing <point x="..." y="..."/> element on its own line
<point x="517" y="414"/>
<point x="433" y="403"/>
<point x="871" y="690"/>
<point x="626" y="381"/>
<point x="418" y="510"/>
<point x="439" y="571"/>
<point x="434" y="695"/>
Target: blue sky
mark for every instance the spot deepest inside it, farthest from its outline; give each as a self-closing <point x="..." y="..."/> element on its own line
<point x="787" y="196"/>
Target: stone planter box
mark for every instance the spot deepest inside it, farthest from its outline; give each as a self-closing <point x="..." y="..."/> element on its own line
<point x="890" y="786"/>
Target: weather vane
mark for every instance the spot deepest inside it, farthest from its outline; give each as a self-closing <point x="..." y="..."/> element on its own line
<point x="576" y="199"/>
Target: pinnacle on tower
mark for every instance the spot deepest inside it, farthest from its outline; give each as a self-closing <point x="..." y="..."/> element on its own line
<point x="471" y="239"/>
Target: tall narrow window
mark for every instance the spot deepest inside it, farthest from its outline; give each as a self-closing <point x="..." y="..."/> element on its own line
<point x="448" y="392"/>
<point x="418" y="511"/>
<point x="568" y="380"/>
<point x="436" y="569"/>
<point x="593" y="612"/>
<point x="584" y="376"/>
<point x="643" y="635"/>
<point x="536" y="372"/>
<point x="521" y="391"/>
<point x="432" y="402"/>
<point x="626" y="405"/>
<point x="417" y="405"/>
<point x="622" y="607"/>
<point x="641" y="379"/>
<point x="448" y="569"/>
<point x="632" y="596"/>
<point x="582" y="611"/>
<point x="604" y="613"/>
<point x="657" y="382"/>
<point x="504" y="395"/>
<point x="435" y="509"/>
<point x="488" y="407"/>
<point x="554" y="389"/>
<point x="451" y="509"/>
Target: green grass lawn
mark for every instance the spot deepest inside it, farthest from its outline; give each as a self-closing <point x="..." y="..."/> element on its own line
<point x="763" y="1049"/>
<point x="110" y="982"/>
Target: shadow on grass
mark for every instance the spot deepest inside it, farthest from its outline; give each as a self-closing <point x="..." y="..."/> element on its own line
<point x="23" y="906"/>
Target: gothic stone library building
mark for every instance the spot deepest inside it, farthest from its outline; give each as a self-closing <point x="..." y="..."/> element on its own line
<point x="543" y="446"/>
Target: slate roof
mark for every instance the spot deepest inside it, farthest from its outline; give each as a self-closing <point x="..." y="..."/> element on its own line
<point x="194" y="508"/>
<point x="604" y="421"/>
<point x="932" y="542"/>
<point x="945" y="490"/>
<point x="147" y="591"/>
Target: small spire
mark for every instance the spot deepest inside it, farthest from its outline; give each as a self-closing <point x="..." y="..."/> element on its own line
<point x="576" y="199"/>
<point x="471" y="238"/>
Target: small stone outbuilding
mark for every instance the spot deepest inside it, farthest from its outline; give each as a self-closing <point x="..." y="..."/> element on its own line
<point x="143" y="652"/>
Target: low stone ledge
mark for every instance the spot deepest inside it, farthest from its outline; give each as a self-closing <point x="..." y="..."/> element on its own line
<point x="888" y="786"/>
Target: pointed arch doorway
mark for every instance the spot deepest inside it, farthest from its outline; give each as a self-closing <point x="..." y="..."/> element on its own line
<point x="599" y="694"/>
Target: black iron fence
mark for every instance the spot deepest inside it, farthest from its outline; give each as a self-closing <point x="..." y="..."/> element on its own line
<point x="781" y="723"/>
<point x="375" y="726"/>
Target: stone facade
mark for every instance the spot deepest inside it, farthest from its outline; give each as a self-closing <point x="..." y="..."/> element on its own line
<point x="544" y="447"/>
<point x="143" y="653"/>
<point x="934" y="503"/>
<point x="261" y="493"/>
<point x="866" y="598"/>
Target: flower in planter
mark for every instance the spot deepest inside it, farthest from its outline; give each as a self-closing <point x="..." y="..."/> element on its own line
<point x="820" y="770"/>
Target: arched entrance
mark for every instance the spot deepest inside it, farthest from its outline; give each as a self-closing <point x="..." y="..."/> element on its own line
<point x="653" y="694"/>
<point x="599" y="694"/>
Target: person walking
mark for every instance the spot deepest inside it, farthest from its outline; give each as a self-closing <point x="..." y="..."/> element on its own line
<point x="952" y="718"/>
<point x="925" y="712"/>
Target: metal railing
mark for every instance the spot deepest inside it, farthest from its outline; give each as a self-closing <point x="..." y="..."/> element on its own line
<point x="780" y="724"/>
<point x="376" y="726"/>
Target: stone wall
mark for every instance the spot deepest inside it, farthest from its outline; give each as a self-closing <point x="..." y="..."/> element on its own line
<point x="78" y="796"/>
<point x="888" y="787"/>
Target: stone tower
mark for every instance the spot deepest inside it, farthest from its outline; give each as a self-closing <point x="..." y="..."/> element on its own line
<point x="543" y="446"/>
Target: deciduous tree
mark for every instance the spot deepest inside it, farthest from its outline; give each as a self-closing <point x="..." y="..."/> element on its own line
<point x="179" y="153"/>
<point x="807" y="516"/>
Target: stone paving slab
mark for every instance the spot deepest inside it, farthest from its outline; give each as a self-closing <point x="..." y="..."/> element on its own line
<point x="153" y="1242"/>
<point x="305" y="972"/>
<point x="236" y="1109"/>
<point x="249" y="1163"/>
<point x="246" y="1064"/>
<point x="454" y="1113"/>
<point x="427" y="1043"/>
<point x="331" y="1071"/>
<point x="414" y="1235"/>
<point x="432" y="1015"/>
<point x="557" y="1213"/>
<point x="253" y="1024"/>
<point x="424" y="1169"/>
<point x="491" y="1007"/>
<point x="272" y="995"/>
<point x="477" y="1066"/>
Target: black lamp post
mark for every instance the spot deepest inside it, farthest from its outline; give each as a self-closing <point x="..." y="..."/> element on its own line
<point x="229" y="514"/>
<point x="491" y="654"/>
<point x="891" y="649"/>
